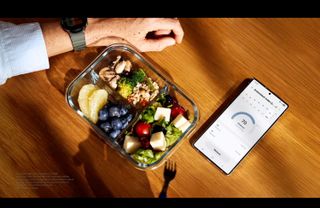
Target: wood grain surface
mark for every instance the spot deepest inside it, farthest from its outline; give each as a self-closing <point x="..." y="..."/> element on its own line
<point x="42" y="137"/>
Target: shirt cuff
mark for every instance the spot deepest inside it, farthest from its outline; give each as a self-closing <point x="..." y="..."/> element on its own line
<point x="23" y="49"/>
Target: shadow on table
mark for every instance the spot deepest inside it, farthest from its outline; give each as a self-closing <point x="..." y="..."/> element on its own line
<point x="103" y="166"/>
<point x="60" y="75"/>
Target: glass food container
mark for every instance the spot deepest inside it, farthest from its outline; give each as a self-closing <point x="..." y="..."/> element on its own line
<point x="91" y="75"/>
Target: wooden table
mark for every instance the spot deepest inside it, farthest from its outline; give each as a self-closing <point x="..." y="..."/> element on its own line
<point x="41" y="136"/>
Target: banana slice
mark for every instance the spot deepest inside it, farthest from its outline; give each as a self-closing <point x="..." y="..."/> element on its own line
<point x="84" y="94"/>
<point x="96" y="102"/>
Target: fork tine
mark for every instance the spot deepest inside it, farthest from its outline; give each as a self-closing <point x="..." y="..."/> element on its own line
<point x="167" y="165"/>
<point x="170" y="166"/>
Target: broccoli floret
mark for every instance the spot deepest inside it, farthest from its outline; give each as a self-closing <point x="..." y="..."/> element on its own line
<point x="138" y="76"/>
<point x="125" y="87"/>
<point x="126" y="84"/>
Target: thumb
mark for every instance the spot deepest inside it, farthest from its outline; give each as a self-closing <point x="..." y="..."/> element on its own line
<point x="158" y="44"/>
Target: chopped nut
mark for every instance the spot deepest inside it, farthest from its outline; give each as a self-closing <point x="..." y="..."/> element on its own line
<point x="143" y="91"/>
<point x="154" y="94"/>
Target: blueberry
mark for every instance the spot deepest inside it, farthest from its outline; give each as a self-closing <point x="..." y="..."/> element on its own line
<point x="170" y="100"/>
<point x="106" y="126"/>
<point x="158" y="128"/>
<point x="114" y="133"/>
<point x="123" y="110"/>
<point x="129" y="117"/>
<point x="116" y="123"/>
<point x="123" y="120"/>
<point x="124" y="125"/>
<point x="114" y="111"/>
<point x="103" y="115"/>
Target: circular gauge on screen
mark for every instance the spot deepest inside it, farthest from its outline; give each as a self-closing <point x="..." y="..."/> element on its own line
<point x="244" y="121"/>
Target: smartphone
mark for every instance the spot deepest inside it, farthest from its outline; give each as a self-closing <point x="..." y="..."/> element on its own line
<point x="245" y="120"/>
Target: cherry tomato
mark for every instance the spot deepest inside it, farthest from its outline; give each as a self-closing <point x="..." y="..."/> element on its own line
<point x="142" y="129"/>
<point x="176" y="110"/>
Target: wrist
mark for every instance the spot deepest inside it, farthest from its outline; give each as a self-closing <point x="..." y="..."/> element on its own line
<point x="75" y="28"/>
<point x="93" y="32"/>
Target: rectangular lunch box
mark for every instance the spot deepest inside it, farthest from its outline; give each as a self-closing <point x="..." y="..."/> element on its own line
<point x="91" y="75"/>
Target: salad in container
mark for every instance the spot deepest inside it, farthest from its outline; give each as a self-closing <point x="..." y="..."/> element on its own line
<point x="132" y="106"/>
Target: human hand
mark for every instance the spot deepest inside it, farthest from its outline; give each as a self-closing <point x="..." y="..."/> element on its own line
<point x="165" y="32"/>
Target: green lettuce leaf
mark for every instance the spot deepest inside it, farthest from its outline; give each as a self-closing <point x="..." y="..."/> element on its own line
<point x="172" y="134"/>
<point x="143" y="156"/>
<point x="148" y="114"/>
<point x="146" y="156"/>
<point x="162" y="122"/>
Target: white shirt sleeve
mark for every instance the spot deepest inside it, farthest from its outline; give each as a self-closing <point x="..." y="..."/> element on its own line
<point x="22" y="50"/>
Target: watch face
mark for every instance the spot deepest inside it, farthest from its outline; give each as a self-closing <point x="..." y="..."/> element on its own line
<point x="73" y="24"/>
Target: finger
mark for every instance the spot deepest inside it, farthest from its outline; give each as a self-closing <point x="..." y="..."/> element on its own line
<point x="162" y="32"/>
<point x="178" y="32"/>
<point x="157" y="44"/>
<point x="170" y="24"/>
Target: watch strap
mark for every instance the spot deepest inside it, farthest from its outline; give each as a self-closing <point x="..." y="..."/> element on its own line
<point x="78" y="40"/>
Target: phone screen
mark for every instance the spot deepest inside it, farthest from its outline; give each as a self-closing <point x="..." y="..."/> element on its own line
<point x="230" y="137"/>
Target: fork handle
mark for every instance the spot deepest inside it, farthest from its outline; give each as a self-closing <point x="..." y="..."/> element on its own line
<point x="163" y="193"/>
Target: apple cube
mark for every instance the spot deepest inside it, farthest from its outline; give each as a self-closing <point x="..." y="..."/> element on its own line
<point x="158" y="141"/>
<point x="181" y="123"/>
<point x="131" y="144"/>
<point x="184" y="127"/>
<point x="162" y="112"/>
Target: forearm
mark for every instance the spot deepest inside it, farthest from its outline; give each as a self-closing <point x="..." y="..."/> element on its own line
<point x="56" y="39"/>
<point x="103" y="32"/>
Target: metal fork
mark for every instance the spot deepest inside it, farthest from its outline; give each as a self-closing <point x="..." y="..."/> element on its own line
<point x="169" y="173"/>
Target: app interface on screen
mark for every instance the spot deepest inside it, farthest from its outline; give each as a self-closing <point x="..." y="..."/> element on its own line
<point x="240" y="126"/>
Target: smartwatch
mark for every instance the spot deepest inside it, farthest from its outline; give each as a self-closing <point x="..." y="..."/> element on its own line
<point x="75" y="28"/>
